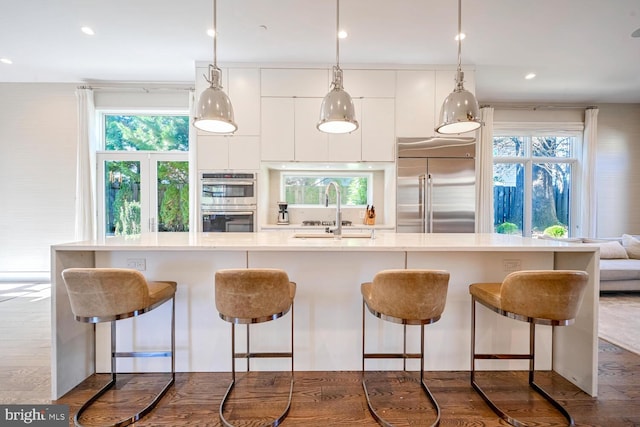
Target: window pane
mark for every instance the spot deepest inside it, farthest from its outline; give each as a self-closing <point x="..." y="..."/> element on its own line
<point x="122" y="197"/>
<point x="552" y="146"/>
<point x="173" y="196"/>
<point x="152" y="133"/>
<point x="310" y="190"/>
<point x="508" y="197"/>
<point x="508" y="146"/>
<point x="550" y="194"/>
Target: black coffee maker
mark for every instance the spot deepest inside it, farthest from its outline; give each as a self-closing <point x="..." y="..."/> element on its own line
<point x="283" y="215"/>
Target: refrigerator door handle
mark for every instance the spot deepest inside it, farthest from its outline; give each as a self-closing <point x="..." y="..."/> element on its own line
<point x="421" y="202"/>
<point x="429" y="203"/>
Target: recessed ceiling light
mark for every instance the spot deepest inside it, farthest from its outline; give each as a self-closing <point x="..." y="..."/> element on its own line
<point x="530" y="76"/>
<point x="211" y="32"/>
<point x="342" y="34"/>
<point x="87" y="30"/>
<point x="460" y="36"/>
<point x="6" y="61"/>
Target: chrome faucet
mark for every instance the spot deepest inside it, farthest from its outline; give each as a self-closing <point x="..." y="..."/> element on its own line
<point x="337" y="232"/>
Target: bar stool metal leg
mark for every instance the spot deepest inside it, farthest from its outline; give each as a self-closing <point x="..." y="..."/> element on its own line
<point x="404" y="355"/>
<point x="112" y="382"/>
<point x="532" y="383"/>
<point x="248" y="355"/>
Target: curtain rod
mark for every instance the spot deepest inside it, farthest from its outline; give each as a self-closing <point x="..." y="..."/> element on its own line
<point x="540" y="107"/>
<point x="139" y="86"/>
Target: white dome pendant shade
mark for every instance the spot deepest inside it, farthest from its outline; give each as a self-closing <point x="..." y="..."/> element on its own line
<point x="337" y="113"/>
<point x="460" y="112"/>
<point x="214" y="112"/>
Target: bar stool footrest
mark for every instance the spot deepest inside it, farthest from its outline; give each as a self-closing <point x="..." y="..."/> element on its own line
<point x="273" y="423"/>
<point x="136" y="417"/>
<point x="384" y="422"/>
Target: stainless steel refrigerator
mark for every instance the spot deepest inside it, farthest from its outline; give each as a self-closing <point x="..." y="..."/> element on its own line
<point x="436" y="185"/>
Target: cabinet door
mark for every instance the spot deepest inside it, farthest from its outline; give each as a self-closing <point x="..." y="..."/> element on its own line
<point x="277" y="138"/>
<point x="415" y="103"/>
<point x="294" y="82"/>
<point x="347" y="147"/>
<point x="244" y="93"/>
<point x="244" y="152"/>
<point x="310" y="143"/>
<point x="378" y="130"/>
<point x="213" y="152"/>
<point x="370" y="83"/>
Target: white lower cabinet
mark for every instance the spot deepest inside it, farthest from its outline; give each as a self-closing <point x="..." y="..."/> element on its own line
<point x="228" y="152"/>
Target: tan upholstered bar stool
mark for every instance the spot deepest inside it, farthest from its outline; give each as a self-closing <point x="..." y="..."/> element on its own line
<point x="548" y="297"/>
<point x="408" y="297"/>
<point x="254" y="295"/>
<point x="110" y="294"/>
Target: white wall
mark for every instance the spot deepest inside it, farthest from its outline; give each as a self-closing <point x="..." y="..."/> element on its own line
<point x="618" y="170"/>
<point x="38" y="128"/>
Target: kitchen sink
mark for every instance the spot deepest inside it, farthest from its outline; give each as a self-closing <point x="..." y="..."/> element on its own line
<point x="331" y="236"/>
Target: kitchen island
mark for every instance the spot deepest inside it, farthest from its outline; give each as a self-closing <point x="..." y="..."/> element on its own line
<point x="328" y="304"/>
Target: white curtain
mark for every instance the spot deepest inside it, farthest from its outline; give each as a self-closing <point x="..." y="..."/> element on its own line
<point x="194" y="221"/>
<point x="85" y="227"/>
<point x="484" y="202"/>
<point x="589" y="145"/>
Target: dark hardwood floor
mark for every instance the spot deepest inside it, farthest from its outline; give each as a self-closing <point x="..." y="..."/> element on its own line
<point x="337" y="398"/>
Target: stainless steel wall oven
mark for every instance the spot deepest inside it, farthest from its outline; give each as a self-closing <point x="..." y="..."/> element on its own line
<point x="228" y="202"/>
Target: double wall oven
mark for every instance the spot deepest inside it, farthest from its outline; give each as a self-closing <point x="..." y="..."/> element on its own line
<point x="228" y="202"/>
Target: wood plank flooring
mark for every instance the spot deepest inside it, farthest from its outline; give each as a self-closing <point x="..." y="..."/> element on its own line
<point x="320" y="398"/>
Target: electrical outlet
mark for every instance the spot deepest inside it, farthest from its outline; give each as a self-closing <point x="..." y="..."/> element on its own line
<point x="361" y="214"/>
<point x="511" y="265"/>
<point x="139" y="264"/>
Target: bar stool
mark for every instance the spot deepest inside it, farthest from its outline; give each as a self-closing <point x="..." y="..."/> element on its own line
<point x="547" y="297"/>
<point x="254" y="295"/>
<point x="407" y="297"/>
<point x="110" y="294"/>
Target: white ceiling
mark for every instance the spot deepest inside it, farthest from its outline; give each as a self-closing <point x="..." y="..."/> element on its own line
<point x="581" y="50"/>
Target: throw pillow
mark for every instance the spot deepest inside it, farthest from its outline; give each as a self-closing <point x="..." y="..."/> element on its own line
<point x="612" y="250"/>
<point x="631" y="245"/>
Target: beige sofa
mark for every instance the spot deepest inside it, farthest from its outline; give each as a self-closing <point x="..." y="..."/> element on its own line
<point x="619" y="261"/>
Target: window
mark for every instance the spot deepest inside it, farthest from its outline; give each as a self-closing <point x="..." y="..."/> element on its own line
<point x="534" y="177"/>
<point x="144" y="173"/>
<point x="309" y="188"/>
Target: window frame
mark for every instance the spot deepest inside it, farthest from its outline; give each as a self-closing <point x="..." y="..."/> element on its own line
<point x="528" y="131"/>
<point x="339" y="174"/>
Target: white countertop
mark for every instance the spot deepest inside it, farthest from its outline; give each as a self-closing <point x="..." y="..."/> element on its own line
<point x="285" y="241"/>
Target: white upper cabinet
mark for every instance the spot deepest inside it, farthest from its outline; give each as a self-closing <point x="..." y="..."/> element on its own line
<point x="294" y="82"/>
<point x="277" y="137"/>
<point x="419" y="98"/>
<point x="378" y="130"/>
<point x="415" y="103"/>
<point x="216" y="152"/>
<point x="369" y="83"/>
<point x="310" y="144"/>
<point x="244" y="92"/>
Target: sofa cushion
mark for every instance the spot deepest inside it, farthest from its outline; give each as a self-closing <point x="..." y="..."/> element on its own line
<point x="610" y="250"/>
<point x="619" y="269"/>
<point x="632" y="246"/>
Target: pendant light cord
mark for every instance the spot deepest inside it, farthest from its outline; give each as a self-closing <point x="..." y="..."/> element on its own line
<point x="459" y="35"/>
<point x="337" y="33"/>
<point x="215" y="35"/>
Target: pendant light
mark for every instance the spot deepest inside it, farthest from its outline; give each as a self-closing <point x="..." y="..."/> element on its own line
<point x="460" y="112"/>
<point x="214" y="112"/>
<point x="337" y="114"/>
